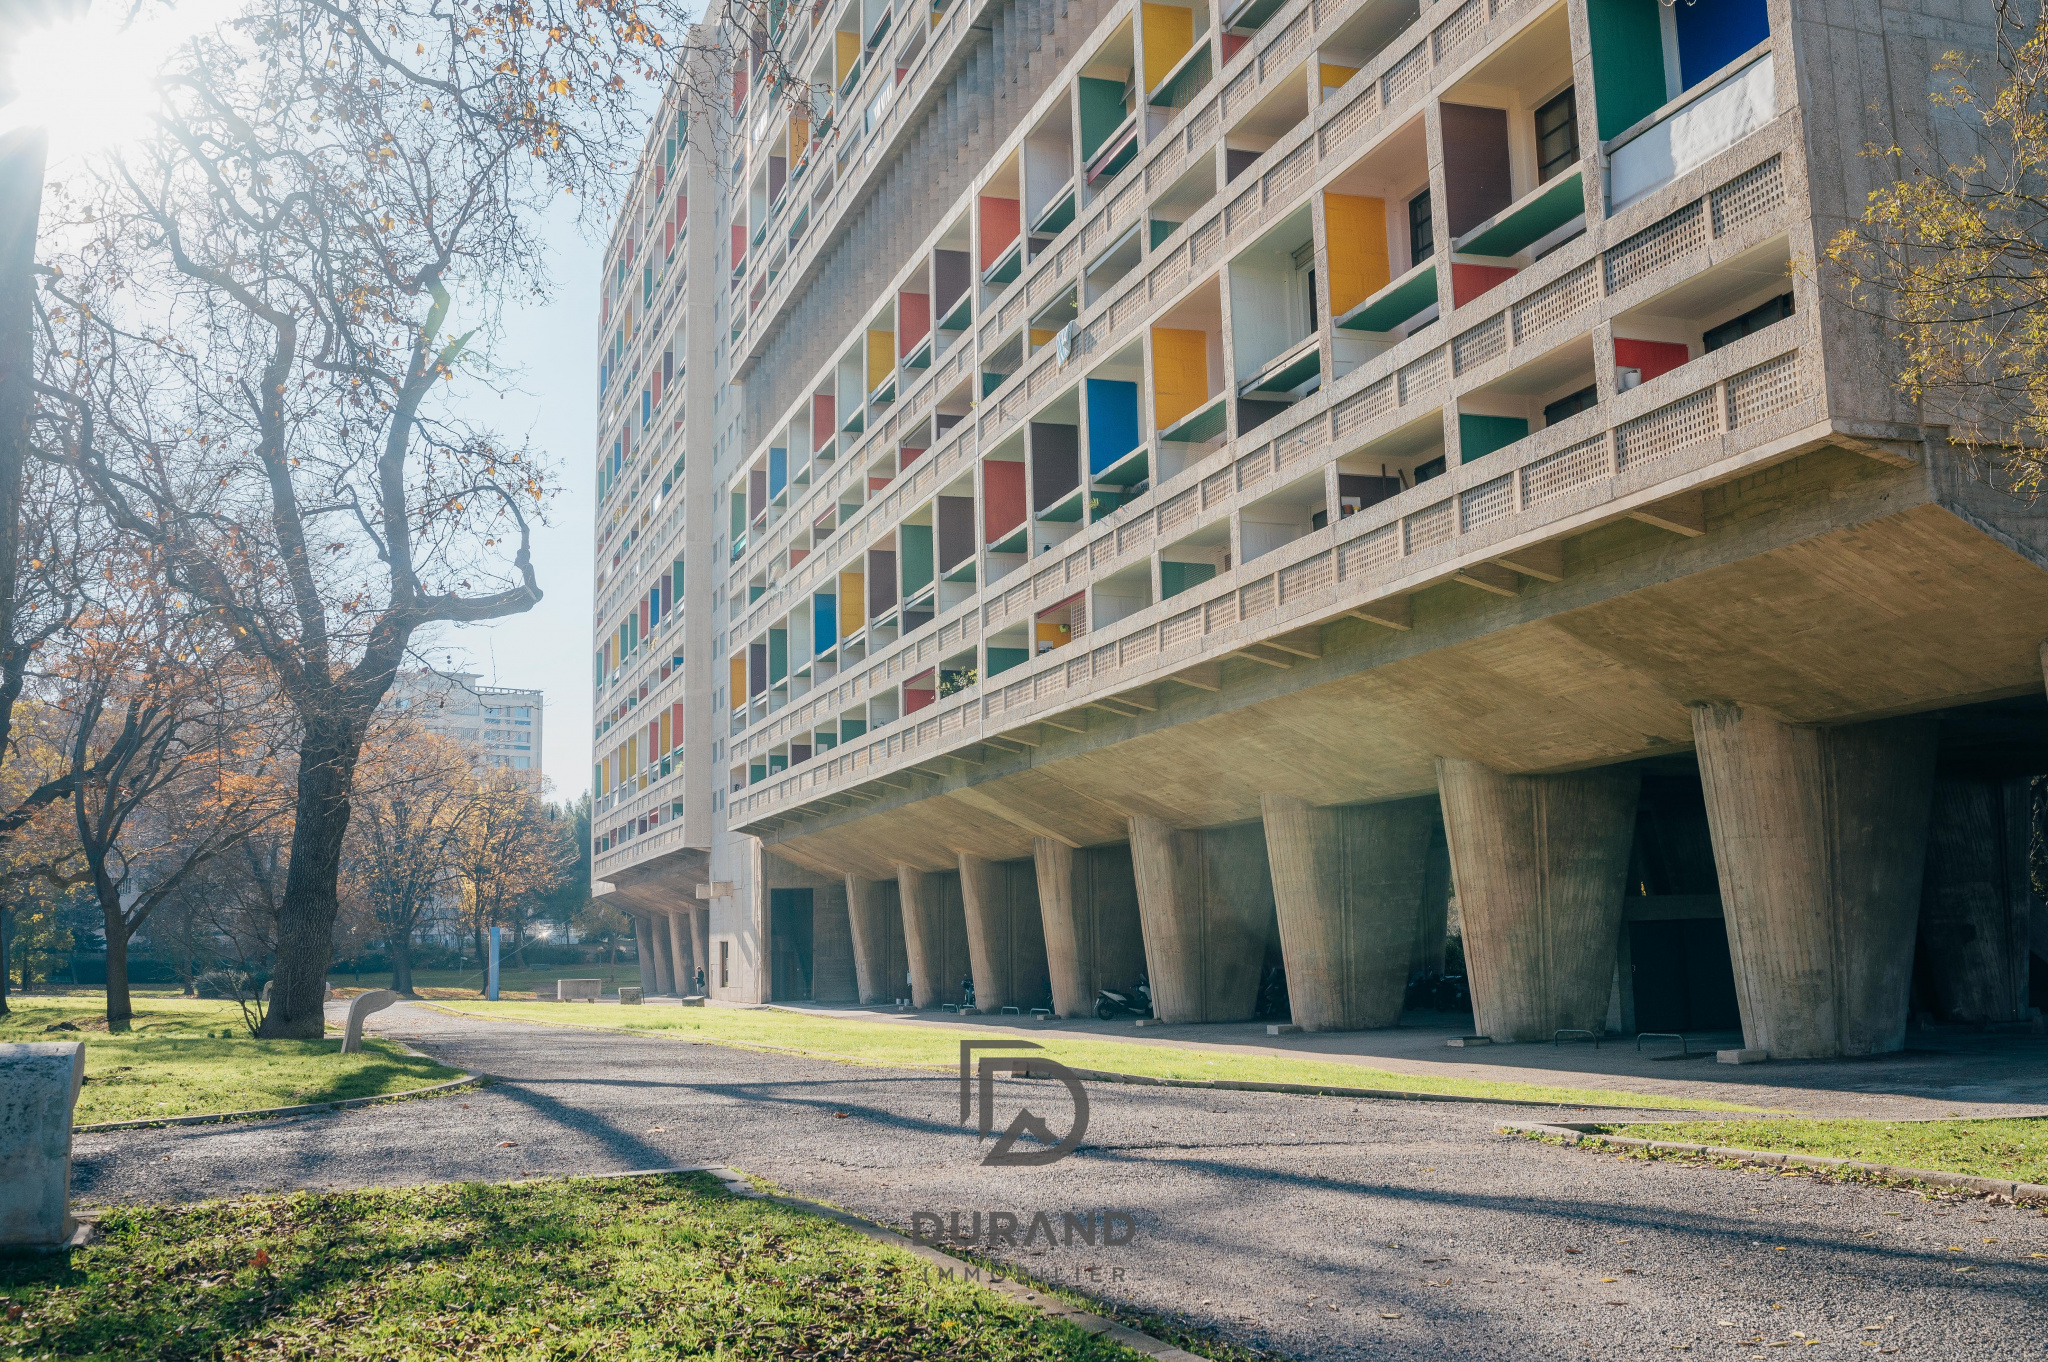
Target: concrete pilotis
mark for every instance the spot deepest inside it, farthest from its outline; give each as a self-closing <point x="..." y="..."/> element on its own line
<point x="700" y="946"/>
<point x="1974" y="914"/>
<point x="1206" y="903"/>
<point x="1005" y="939"/>
<point x="679" y="953"/>
<point x="1820" y="837"/>
<point x="1540" y="864"/>
<point x="1348" y="886"/>
<point x="934" y="935"/>
<point x="865" y="912"/>
<point x="1088" y="904"/>
<point x="654" y="937"/>
<point x="644" y="957"/>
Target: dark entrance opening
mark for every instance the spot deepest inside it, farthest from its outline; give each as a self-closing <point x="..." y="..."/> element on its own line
<point x="1683" y="978"/>
<point x="1678" y="973"/>
<point x="789" y="938"/>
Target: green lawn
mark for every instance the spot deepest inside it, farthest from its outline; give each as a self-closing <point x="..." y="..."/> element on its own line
<point x="515" y="984"/>
<point x="895" y="1045"/>
<point x="174" y="1061"/>
<point x="658" y="1267"/>
<point x="2012" y="1148"/>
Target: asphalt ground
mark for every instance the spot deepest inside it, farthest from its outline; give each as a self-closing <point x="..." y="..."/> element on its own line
<point x="1319" y="1228"/>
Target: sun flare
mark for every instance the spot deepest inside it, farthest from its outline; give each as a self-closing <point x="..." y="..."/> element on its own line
<point x="91" y="82"/>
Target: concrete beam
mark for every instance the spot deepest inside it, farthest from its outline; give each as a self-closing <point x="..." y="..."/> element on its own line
<point x="1543" y="561"/>
<point x="1820" y="837"/>
<point x="1005" y="939"/>
<point x="1348" y="888"/>
<point x="1490" y="577"/>
<point x="1540" y="864"/>
<point x="1206" y="903"/>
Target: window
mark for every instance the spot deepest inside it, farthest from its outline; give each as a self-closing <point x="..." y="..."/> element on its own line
<point x="1421" y="236"/>
<point x="724" y="964"/>
<point x="1582" y="400"/>
<point x="1557" y="136"/>
<point x="1754" y="320"/>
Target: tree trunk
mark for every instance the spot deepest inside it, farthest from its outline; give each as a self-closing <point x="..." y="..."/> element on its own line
<point x="6" y="940"/>
<point x="401" y="966"/>
<point x="305" y="919"/>
<point x="119" y="1008"/>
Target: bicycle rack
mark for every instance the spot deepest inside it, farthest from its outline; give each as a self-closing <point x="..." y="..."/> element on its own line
<point x="1574" y="1031"/>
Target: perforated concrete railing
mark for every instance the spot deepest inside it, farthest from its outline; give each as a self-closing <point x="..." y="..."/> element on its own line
<point x="938" y="51"/>
<point x="1421" y="530"/>
<point x="1252" y="208"/>
<point x="1749" y="197"/>
<point x="1361" y="406"/>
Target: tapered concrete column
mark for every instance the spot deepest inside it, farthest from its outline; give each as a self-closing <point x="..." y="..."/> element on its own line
<point x="1005" y="939"/>
<point x="1347" y="883"/>
<point x="1974" y="912"/>
<point x="1088" y="905"/>
<point x="680" y="953"/>
<point x="1206" y="900"/>
<point x="700" y="948"/>
<point x="643" y="955"/>
<point x="1540" y="864"/>
<point x="866" y="913"/>
<point x="1820" y="837"/>
<point x="934" y="935"/>
<point x="654" y="938"/>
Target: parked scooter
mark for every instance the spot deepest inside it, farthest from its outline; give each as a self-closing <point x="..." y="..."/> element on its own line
<point x="1110" y="1004"/>
<point x="966" y="992"/>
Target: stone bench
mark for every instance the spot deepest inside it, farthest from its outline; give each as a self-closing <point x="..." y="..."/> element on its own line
<point x="39" y="1085"/>
<point x="578" y="990"/>
<point x="629" y="993"/>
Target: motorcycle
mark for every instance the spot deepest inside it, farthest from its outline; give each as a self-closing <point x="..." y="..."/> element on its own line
<point x="966" y="992"/>
<point x="1110" y="1004"/>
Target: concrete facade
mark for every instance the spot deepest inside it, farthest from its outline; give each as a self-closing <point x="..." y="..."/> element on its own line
<point x="1196" y="498"/>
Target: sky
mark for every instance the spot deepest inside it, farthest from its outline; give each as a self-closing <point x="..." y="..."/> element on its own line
<point x="554" y="348"/>
<point x="87" y="84"/>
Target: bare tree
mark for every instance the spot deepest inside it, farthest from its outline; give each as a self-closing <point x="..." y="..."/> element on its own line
<point x="197" y="771"/>
<point x="245" y="355"/>
<point x="412" y="794"/>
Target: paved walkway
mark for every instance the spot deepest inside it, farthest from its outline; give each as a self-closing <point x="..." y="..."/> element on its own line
<point x="1943" y="1072"/>
<point x="1322" y="1228"/>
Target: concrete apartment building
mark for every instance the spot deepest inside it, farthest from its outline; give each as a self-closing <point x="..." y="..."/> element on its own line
<point x="1183" y="489"/>
<point x="501" y="723"/>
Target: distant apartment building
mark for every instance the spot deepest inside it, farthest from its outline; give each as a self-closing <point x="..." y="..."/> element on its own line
<point x="1181" y="487"/>
<point x="502" y="724"/>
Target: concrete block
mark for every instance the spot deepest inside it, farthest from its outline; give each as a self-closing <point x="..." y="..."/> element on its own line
<point x="39" y="1085"/>
<point x="629" y="995"/>
<point x="1148" y="1021"/>
<point x="1283" y="1029"/>
<point x="695" y="1000"/>
<point x="1463" y="1042"/>
<point x="578" y="990"/>
<point x="360" y="1007"/>
<point x="1742" y="1056"/>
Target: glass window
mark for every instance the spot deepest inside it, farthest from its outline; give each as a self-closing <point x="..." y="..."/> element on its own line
<point x="1754" y="320"/>
<point x="1421" y="231"/>
<point x="1557" y="136"/>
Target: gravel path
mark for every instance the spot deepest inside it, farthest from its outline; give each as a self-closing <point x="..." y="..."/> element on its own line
<point x="1321" y="1228"/>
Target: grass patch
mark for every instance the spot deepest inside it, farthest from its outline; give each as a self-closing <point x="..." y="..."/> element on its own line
<point x="2015" y="1148"/>
<point x="513" y="984"/>
<point x="895" y="1045"/>
<point x="175" y="1061"/>
<point x="670" y="1266"/>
